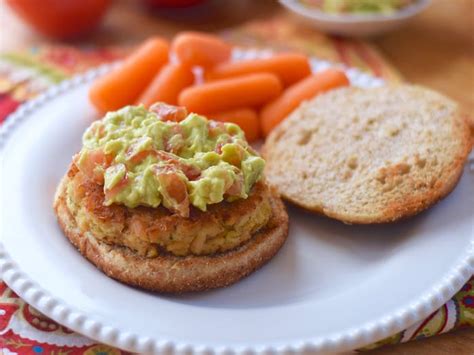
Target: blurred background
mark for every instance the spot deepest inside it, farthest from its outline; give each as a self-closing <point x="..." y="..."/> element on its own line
<point x="435" y="48"/>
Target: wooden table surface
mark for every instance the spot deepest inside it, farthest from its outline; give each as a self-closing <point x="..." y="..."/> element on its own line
<point x="436" y="50"/>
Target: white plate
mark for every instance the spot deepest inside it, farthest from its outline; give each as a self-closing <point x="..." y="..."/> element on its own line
<point x="332" y="287"/>
<point x="354" y="24"/>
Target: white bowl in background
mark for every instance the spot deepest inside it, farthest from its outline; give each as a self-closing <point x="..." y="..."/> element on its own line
<point x="355" y="25"/>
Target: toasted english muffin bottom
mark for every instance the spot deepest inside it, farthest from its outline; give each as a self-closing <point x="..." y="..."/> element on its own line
<point x="369" y="155"/>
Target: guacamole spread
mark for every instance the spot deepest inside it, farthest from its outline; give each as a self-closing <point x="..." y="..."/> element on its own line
<point x="141" y="159"/>
<point x="364" y="6"/>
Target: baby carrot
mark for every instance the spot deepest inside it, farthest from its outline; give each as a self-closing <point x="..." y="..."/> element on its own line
<point x="246" y="118"/>
<point x="289" y="67"/>
<point x="195" y="48"/>
<point x="276" y="111"/>
<point x="223" y="95"/>
<point x="123" y="86"/>
<point x="167" y="85"/>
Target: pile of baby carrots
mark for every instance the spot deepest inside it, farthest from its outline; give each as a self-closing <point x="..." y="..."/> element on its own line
<point x="256" y="94"/>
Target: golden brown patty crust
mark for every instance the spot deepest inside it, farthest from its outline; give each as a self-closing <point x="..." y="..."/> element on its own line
<point x="149" y="231"/>
<point x="169" y="273"/>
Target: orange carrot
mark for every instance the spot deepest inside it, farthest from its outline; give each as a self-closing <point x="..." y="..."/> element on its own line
<point x="246" y="118"/>
<point x="195" y="48"/>
<point x="289" y="67"/>
<point x="123" y="86"/>
<point x="276" y="111"/>
<point x="167" y="85"/>
<point x="223" y="95"/>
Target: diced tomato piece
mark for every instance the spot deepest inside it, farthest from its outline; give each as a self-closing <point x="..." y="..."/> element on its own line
<point x="100" y="158"/>
<point x="109" y="194"/>
<point x="174" y="191"/>
<point x="164" y="156"/>
<point x="93" y="159"/>
<point x="173" y="164"/>
<point x="169" y="112"/>
<point x="137" y="158"/>
<point x="176" y="188"/>
<point x="191" y="172"/>
<point x="169" y="158"/>
<point x="236" y="188"/>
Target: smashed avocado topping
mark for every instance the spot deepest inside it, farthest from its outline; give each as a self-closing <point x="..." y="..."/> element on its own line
<point x="362" y="6"/>
<point x="142" y="159"/>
